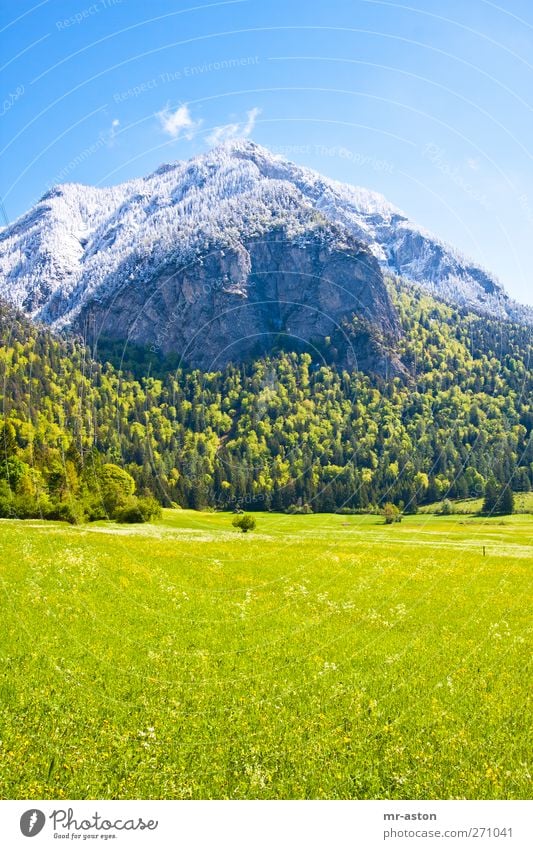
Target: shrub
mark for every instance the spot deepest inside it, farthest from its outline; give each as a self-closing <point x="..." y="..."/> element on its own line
<point x="117" y="488"/>
<point x="299" y="509"/>
<point x="391" y="513"/>
<point x="446" y="507"/>
<point x="245" y="522"/>
<point x="149" y="507"/>
<point x="66" y="511"/>
<point x="138" y="510"/>
<point x="6" y="500"/>
<point x="129" y="513"/>
<point x="94" y="508"/>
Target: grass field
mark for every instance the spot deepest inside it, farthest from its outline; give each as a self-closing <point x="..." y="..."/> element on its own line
<point x="321" y="656"/>
<point x="523" y="503"/>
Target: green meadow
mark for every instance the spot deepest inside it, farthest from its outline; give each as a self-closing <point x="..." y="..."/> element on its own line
<point x="320" y="656"/>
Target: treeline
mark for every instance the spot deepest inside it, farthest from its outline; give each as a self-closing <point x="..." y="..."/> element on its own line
<point x="280" y="433"/>
<point x="68" y="488"/>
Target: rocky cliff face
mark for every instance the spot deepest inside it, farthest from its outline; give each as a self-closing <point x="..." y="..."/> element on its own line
<point x="233" y="303"/>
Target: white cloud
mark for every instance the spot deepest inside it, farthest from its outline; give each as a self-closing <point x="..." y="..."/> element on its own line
<point x="108" y="136"/>
<point x="251" y="118"/>
<point x="179" y="122"/>
<point x="473" y="164"/>
<point x="241" y="130"/>
<point x="223" y="133"/>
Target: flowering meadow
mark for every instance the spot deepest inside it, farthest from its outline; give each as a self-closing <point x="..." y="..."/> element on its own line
<point x="319" y="656"/>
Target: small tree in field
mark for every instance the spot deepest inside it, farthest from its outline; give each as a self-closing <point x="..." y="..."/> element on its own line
<point x="245" y="522"/>
<point x="490" y="502"/>
<point x="446" y="507"/>
<point x="506" y="502"/>
<point x="391" y="513"/>
<point x="498" y="498"/>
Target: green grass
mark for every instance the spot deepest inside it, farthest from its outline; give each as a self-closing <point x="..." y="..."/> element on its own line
<point x="319" y="657"/>
<point x="523" y="503"/>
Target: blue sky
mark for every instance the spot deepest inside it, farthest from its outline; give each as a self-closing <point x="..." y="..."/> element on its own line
<point x="428" y="102"/>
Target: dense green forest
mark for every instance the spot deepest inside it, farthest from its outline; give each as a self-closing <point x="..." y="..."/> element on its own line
<point x="84" y="438"/>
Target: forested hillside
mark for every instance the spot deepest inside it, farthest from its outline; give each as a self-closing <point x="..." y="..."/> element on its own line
<point x="281" y="432"/>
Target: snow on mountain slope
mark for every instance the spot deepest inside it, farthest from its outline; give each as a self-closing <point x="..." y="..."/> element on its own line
<point x="81" y="243"/>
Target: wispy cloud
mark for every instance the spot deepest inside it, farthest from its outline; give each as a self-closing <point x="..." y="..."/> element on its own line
<point x="179" y="122"/>
<point x="108" y="136"/>
<point x="251" y="118"/>
<point x="240" y="129"/>
<point x="473" y="164"/>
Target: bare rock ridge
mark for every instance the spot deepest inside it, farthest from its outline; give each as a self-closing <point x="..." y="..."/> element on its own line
<point x="218" y="257"/>
<point x="232" y="303"/>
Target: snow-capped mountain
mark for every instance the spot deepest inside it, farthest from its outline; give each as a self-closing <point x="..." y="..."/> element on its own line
<point x="82" y="246"/>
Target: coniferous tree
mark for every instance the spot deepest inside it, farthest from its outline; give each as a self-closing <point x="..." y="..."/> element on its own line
<point x="506" y="500"/>
<point x="492" y="493"/>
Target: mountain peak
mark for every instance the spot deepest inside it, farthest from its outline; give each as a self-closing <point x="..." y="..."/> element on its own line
<point x="80" y="243"/>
